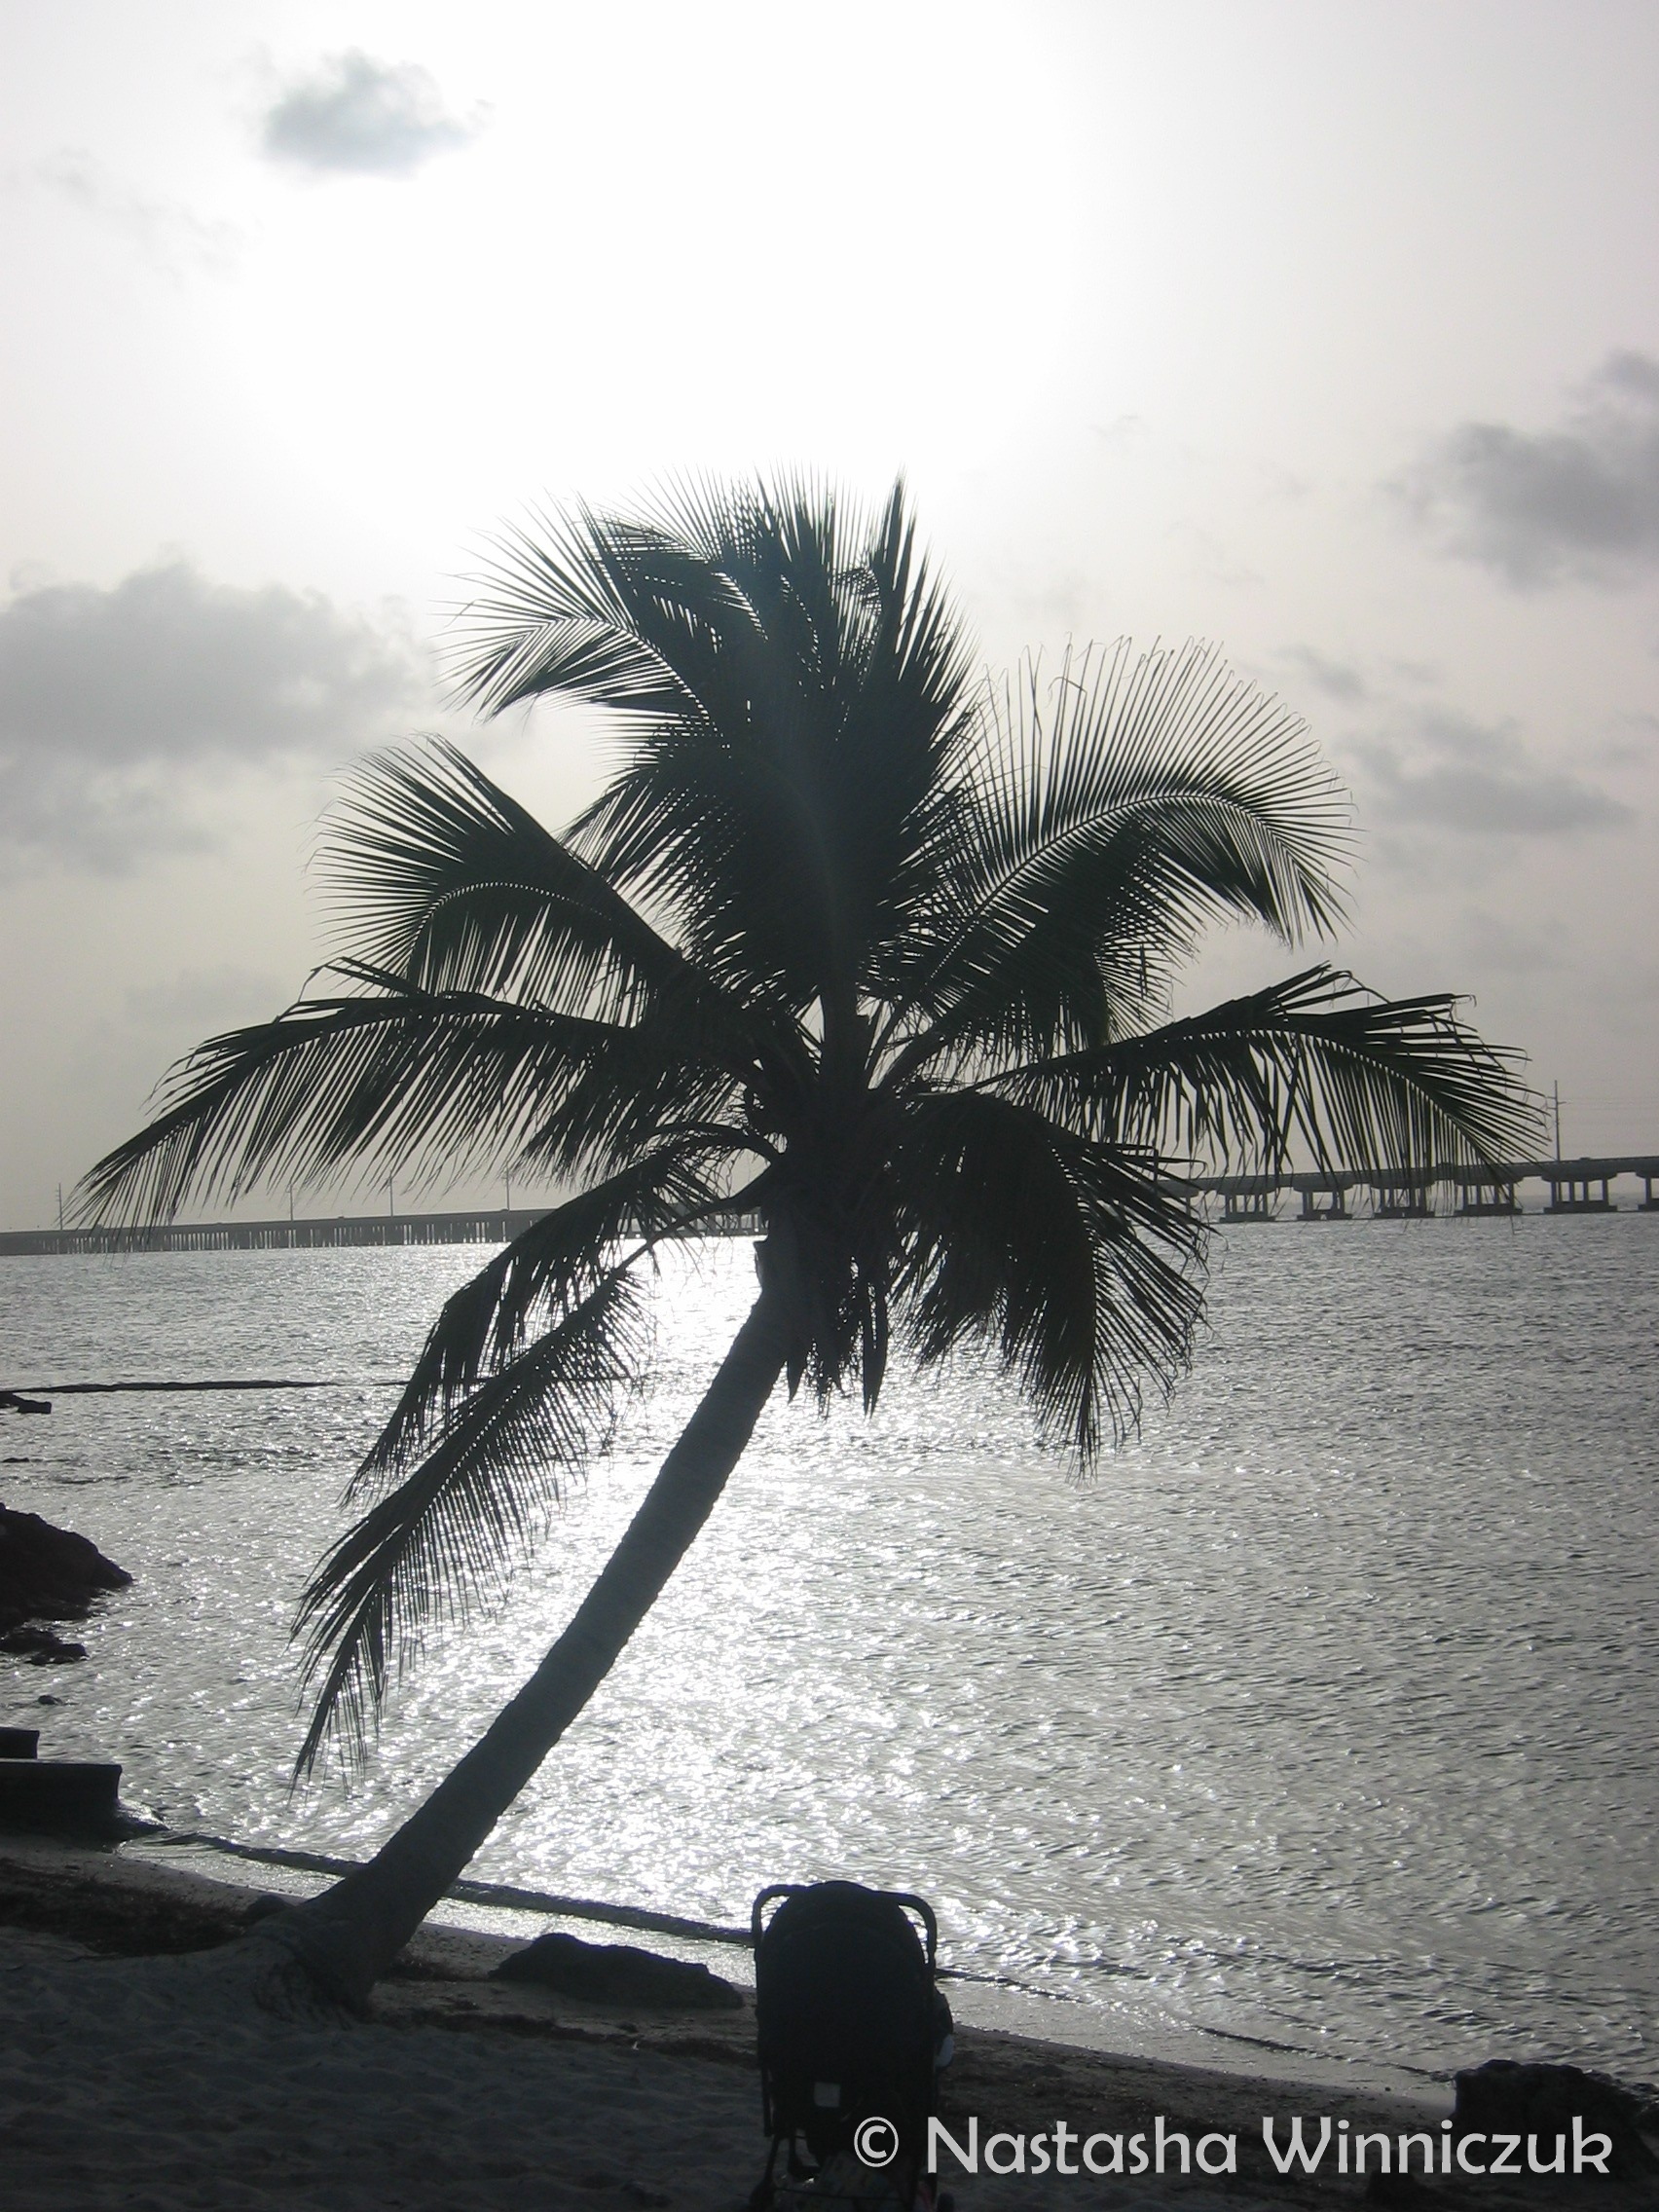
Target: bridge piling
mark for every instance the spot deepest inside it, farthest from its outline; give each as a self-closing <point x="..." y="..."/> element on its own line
<point x="1484" y="1196"/>
<point x="1578" y="1199"/>
<point x="1337" y="1210"/>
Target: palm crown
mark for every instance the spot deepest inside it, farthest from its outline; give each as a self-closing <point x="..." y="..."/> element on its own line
<point x="852" y="941"/>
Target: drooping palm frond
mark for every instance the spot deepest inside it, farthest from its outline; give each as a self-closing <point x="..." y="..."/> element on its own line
<point x="549" y="1267"/>
<point x="376" y="1082"/>
<point x="1066" y="1255"/>
<point x="1316" y="1063"/>
<point x="1103" y="821"/>
<point x="446" y="1538"/>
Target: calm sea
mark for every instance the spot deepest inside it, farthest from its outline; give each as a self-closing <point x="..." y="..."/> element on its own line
<point x="1321" y="1717"/>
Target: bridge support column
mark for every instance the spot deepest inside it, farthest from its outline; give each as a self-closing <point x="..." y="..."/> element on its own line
<point x="1578" y="1199"/>
<point x="1403" y="1202"/>
<point x="1336" y="1209"/>
<point x="1484" y="1198"/>
<point x="1247" y="1205"/>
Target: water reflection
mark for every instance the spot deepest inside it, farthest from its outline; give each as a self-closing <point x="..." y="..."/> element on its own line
<point x="1319" y="1716"/>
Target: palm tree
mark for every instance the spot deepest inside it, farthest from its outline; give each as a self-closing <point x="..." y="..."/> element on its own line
<point x="851" y="943"/>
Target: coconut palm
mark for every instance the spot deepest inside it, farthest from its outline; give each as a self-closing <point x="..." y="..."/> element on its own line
<point x="852" y="942"/>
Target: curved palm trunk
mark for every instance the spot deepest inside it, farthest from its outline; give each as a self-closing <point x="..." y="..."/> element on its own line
<point x="348" y="1937"/>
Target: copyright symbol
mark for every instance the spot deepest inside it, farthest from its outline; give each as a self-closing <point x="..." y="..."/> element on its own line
<point x="876" y="2141"/>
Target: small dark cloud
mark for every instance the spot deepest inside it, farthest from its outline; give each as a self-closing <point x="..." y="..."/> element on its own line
<point x="1581" y="500"/>
<point x="115" y="702"/>
<point x="1337" y="678"/>
<point x="355" y="116"/>
<point x="1447" y="771"/>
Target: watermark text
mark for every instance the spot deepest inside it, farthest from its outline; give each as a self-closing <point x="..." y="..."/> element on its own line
<point x="1296" y="2145"/>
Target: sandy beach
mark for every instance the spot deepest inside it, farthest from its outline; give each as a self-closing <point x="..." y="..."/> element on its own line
<point x="137" y="2074"/>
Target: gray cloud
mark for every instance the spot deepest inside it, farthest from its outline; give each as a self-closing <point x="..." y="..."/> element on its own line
<point x="357" y="116"/>
<point x="113" y="703"/>
<point x="1633" y="743"/>
<point x="1447" y="771"/>
<point x="1581" y="499"/>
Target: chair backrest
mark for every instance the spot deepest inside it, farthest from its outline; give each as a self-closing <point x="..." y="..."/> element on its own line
<point x="843" y="1999"/>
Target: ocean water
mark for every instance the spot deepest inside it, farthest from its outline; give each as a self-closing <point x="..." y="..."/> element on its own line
<point x="1317" y="1723"/>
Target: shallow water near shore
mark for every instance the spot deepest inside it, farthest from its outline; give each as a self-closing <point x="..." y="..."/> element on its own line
<point x="1319" y="1717"/>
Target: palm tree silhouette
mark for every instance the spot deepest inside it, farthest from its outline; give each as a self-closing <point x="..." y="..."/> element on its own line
<point x="852" y="942"/>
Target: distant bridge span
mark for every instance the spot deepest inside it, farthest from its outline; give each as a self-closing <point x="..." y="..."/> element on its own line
<point x="1574" y="1186"/>
<point x="469" y="1225"/>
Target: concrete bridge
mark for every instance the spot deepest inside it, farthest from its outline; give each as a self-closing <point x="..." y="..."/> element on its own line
<point x="1572" y="1186"/>
<point x="473" y="1225"/>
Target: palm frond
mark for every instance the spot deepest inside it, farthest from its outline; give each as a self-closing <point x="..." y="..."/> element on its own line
<point x="376" y="1082"/>
<point x="549" y="1267"/>
<point x="1069" y="1256"/>
<point x="444" y="1541"/>
<point x="1103" y="821"/>
<point x="439" y="876"/>
<point x="774" y="797"/>
<point x="549" y="614"/>
<point x="1316" y="1065"/>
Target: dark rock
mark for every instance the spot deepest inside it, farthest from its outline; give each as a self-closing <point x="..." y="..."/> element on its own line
<point x="1509" y="2098"/>
<point x="616" y="1974"/>
<point x="12" y="1402"/>
<point x="48" y="1574"/>
<point x="38" y="1646"/>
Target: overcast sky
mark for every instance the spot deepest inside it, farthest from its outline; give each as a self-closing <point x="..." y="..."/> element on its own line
<point x="1327" y="331"/>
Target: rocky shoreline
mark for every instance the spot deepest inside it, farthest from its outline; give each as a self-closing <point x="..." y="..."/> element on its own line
<point x="47" y="1575"/>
